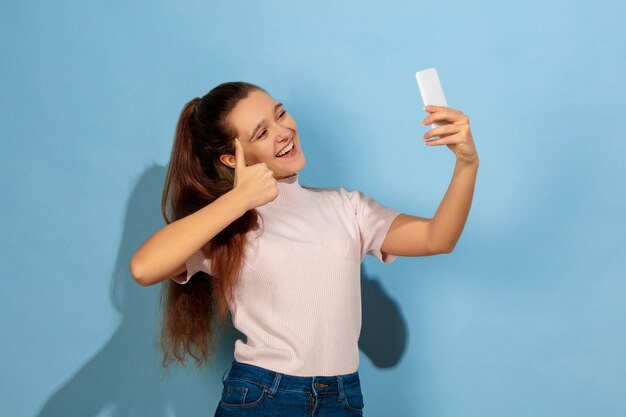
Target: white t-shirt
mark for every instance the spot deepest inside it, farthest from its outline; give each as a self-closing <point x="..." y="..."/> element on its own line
<point x="298" y="299"/>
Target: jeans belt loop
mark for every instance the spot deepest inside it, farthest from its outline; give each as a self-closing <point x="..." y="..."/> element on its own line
<point x="275" y="384"/>
<point x="340" y="388"/>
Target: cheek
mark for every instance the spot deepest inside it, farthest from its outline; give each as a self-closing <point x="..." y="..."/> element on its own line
<point x="264" y="155"/>
<point x="290" y="122"/>
<point x="252" y="158"/>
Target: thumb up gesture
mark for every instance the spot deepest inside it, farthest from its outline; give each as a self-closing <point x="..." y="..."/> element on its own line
<point x="255" y="183"/>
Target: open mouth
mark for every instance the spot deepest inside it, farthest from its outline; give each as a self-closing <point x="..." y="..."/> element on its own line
<point x="287" y="151"/>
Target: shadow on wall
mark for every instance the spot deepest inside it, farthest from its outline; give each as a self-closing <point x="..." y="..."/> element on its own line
<point x="125" y="377"/>
<point x="383" y="330"/>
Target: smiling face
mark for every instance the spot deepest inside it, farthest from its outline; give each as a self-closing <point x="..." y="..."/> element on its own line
<point x="265" y="128"/>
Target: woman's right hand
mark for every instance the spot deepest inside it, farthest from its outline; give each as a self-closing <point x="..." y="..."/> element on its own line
<point x="255" y="183"/>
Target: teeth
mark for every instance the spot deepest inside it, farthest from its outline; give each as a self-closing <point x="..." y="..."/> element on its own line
<point x="287" y="149"/>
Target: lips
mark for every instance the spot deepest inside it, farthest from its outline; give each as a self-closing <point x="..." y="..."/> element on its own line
<point x="284" y="147"/>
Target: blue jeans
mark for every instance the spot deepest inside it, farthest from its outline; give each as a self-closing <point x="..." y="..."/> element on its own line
<point x="250" y="390"/>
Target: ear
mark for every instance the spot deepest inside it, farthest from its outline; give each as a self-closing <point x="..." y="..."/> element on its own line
<point x="228" y="160"/>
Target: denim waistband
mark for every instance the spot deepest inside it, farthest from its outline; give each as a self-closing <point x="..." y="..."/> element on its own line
<point x="275" y="381"/>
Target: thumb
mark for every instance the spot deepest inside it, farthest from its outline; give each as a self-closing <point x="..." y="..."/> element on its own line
<point x="240" y="161"/>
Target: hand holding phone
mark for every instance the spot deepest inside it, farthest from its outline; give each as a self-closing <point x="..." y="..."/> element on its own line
<point x="431" y="92"/>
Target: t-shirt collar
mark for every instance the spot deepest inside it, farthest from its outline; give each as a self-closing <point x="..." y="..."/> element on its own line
<point x="290" y="193"/>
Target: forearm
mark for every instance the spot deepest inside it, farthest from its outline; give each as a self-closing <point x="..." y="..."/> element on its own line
<point x="447" y="224"/>
<point x="167" y="250"/>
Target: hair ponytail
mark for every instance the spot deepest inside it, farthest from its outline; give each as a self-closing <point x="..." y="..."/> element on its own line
<point x="195" y="178"/>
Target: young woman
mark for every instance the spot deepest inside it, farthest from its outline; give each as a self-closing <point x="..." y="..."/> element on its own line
<point x="243" y="236"/>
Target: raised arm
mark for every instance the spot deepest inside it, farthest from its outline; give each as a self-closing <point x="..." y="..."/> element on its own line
<point x="164" y="254"/>
<point x="419" y="236"/>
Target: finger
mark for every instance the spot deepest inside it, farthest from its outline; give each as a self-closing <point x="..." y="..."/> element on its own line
<point x="441" y="130"/>
<point x="434" y="109"/>
<point x="442" y="115"/>
<point x="240" y="161"/>
<point x="431" y="108"/>
<point x="448" y="140"/>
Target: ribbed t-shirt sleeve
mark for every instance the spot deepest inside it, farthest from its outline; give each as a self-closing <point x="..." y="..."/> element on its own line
<point x="197" y="262"/>
<point x="374" y="220"/>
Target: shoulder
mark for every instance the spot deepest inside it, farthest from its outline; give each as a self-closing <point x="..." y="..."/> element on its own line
<point x="348" y="199"/>
<point x="333" y="193"/>
<point x="341" y="192"/>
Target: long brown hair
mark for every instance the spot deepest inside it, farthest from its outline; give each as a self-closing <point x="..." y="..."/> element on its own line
<point x="195" y="178"/>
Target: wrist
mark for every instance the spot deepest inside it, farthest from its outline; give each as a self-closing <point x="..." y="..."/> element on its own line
<point x="474" y="162"/>
<point x="238" y="201"/>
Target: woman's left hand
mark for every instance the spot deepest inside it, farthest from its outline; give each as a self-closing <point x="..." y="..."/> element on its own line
<point x="456" y="136"/>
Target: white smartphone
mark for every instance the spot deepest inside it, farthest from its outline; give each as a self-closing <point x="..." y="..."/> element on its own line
<point x="431" y="91"/>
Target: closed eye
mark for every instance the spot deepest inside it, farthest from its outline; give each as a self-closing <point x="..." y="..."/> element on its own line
<point x="265" y="130"/>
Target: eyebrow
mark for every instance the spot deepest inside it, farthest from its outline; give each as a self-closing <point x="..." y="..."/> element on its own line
<point x="276" y="107"/>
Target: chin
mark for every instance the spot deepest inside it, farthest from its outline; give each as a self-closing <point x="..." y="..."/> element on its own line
<point x="294" y="171"/>
<point x="300" y="165"/>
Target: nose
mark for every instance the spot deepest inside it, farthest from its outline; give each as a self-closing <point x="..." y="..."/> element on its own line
<point x="283" y="134"/>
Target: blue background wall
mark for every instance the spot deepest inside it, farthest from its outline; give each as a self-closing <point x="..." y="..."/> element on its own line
<point x="525" y="318"/>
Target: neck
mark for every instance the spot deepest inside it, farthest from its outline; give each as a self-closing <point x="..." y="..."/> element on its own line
<point x="288" y="176"/>
<point x="290" y="193"/>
